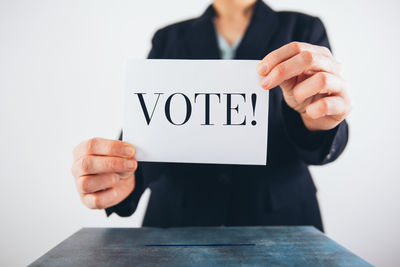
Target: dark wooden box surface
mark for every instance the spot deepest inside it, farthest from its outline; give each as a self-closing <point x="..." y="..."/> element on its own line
<point x="200" y="246"/>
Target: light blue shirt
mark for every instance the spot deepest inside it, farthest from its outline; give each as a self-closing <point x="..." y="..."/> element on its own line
<point x="227" y="52"/>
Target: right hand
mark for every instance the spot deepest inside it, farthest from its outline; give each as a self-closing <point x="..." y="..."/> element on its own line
<point x="104" y="172"/>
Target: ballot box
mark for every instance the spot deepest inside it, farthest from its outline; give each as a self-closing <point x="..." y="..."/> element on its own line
<point x="200" y="246"/>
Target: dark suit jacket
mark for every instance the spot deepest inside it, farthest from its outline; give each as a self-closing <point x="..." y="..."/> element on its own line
<point x="280" y="193"/>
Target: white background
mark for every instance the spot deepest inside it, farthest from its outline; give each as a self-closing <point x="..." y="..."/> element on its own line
<point x="60" y="78"/>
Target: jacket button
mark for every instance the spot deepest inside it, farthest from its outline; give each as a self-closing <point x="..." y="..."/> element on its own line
<point x="224" y="179"/>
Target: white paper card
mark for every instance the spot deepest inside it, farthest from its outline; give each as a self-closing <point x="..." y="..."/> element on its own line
<point x="196" y="111"/>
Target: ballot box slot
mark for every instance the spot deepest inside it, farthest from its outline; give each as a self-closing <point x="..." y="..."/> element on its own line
<point x="201" y="245"/>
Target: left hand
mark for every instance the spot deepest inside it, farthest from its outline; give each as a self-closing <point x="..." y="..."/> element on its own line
<point x="311" y="83"/>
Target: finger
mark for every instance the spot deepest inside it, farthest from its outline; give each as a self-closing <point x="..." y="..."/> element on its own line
<point x="328" y="106"/>
<point x="93" y="183"/>
<point x="302" y="63"/>
<point x="124" y="175"/>
<point x="109" y="197"/>
<point x="104" y="147"/>
<point x="285" y="52"/>
<point x="100" y="164"/>
<point x="319" y="83"/>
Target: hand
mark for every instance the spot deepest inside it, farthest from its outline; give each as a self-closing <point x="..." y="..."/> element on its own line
<point x="104" y="172"/>
<point x="311" y="83"/>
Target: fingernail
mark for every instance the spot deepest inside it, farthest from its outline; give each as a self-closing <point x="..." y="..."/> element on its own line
<point x="262" y="68"/>
<point x="91" y="199"/>
<point x="130" y="164"/>
<point x="128" y="150"/>
<point x="265" y="81"/>
<point x="312" y="110"/>
<point x="117" y="177"/>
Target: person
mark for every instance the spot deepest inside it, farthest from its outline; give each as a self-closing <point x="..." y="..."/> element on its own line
<point x="308" y="105"/>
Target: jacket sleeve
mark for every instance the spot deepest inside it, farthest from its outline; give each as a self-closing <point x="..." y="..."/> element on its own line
<point x="128" y="206"/>
<point x="314" y="147"/>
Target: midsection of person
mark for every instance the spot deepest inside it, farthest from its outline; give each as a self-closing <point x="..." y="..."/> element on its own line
<point x="308" y="104"/>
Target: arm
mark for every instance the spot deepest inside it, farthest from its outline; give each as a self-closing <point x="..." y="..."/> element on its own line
<point x="315" y="101"/>
<point x="314" y="147"/>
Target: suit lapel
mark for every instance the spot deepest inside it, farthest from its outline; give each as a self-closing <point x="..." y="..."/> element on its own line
<point x="262" y="27"/>
<point x="201" y="42"/>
